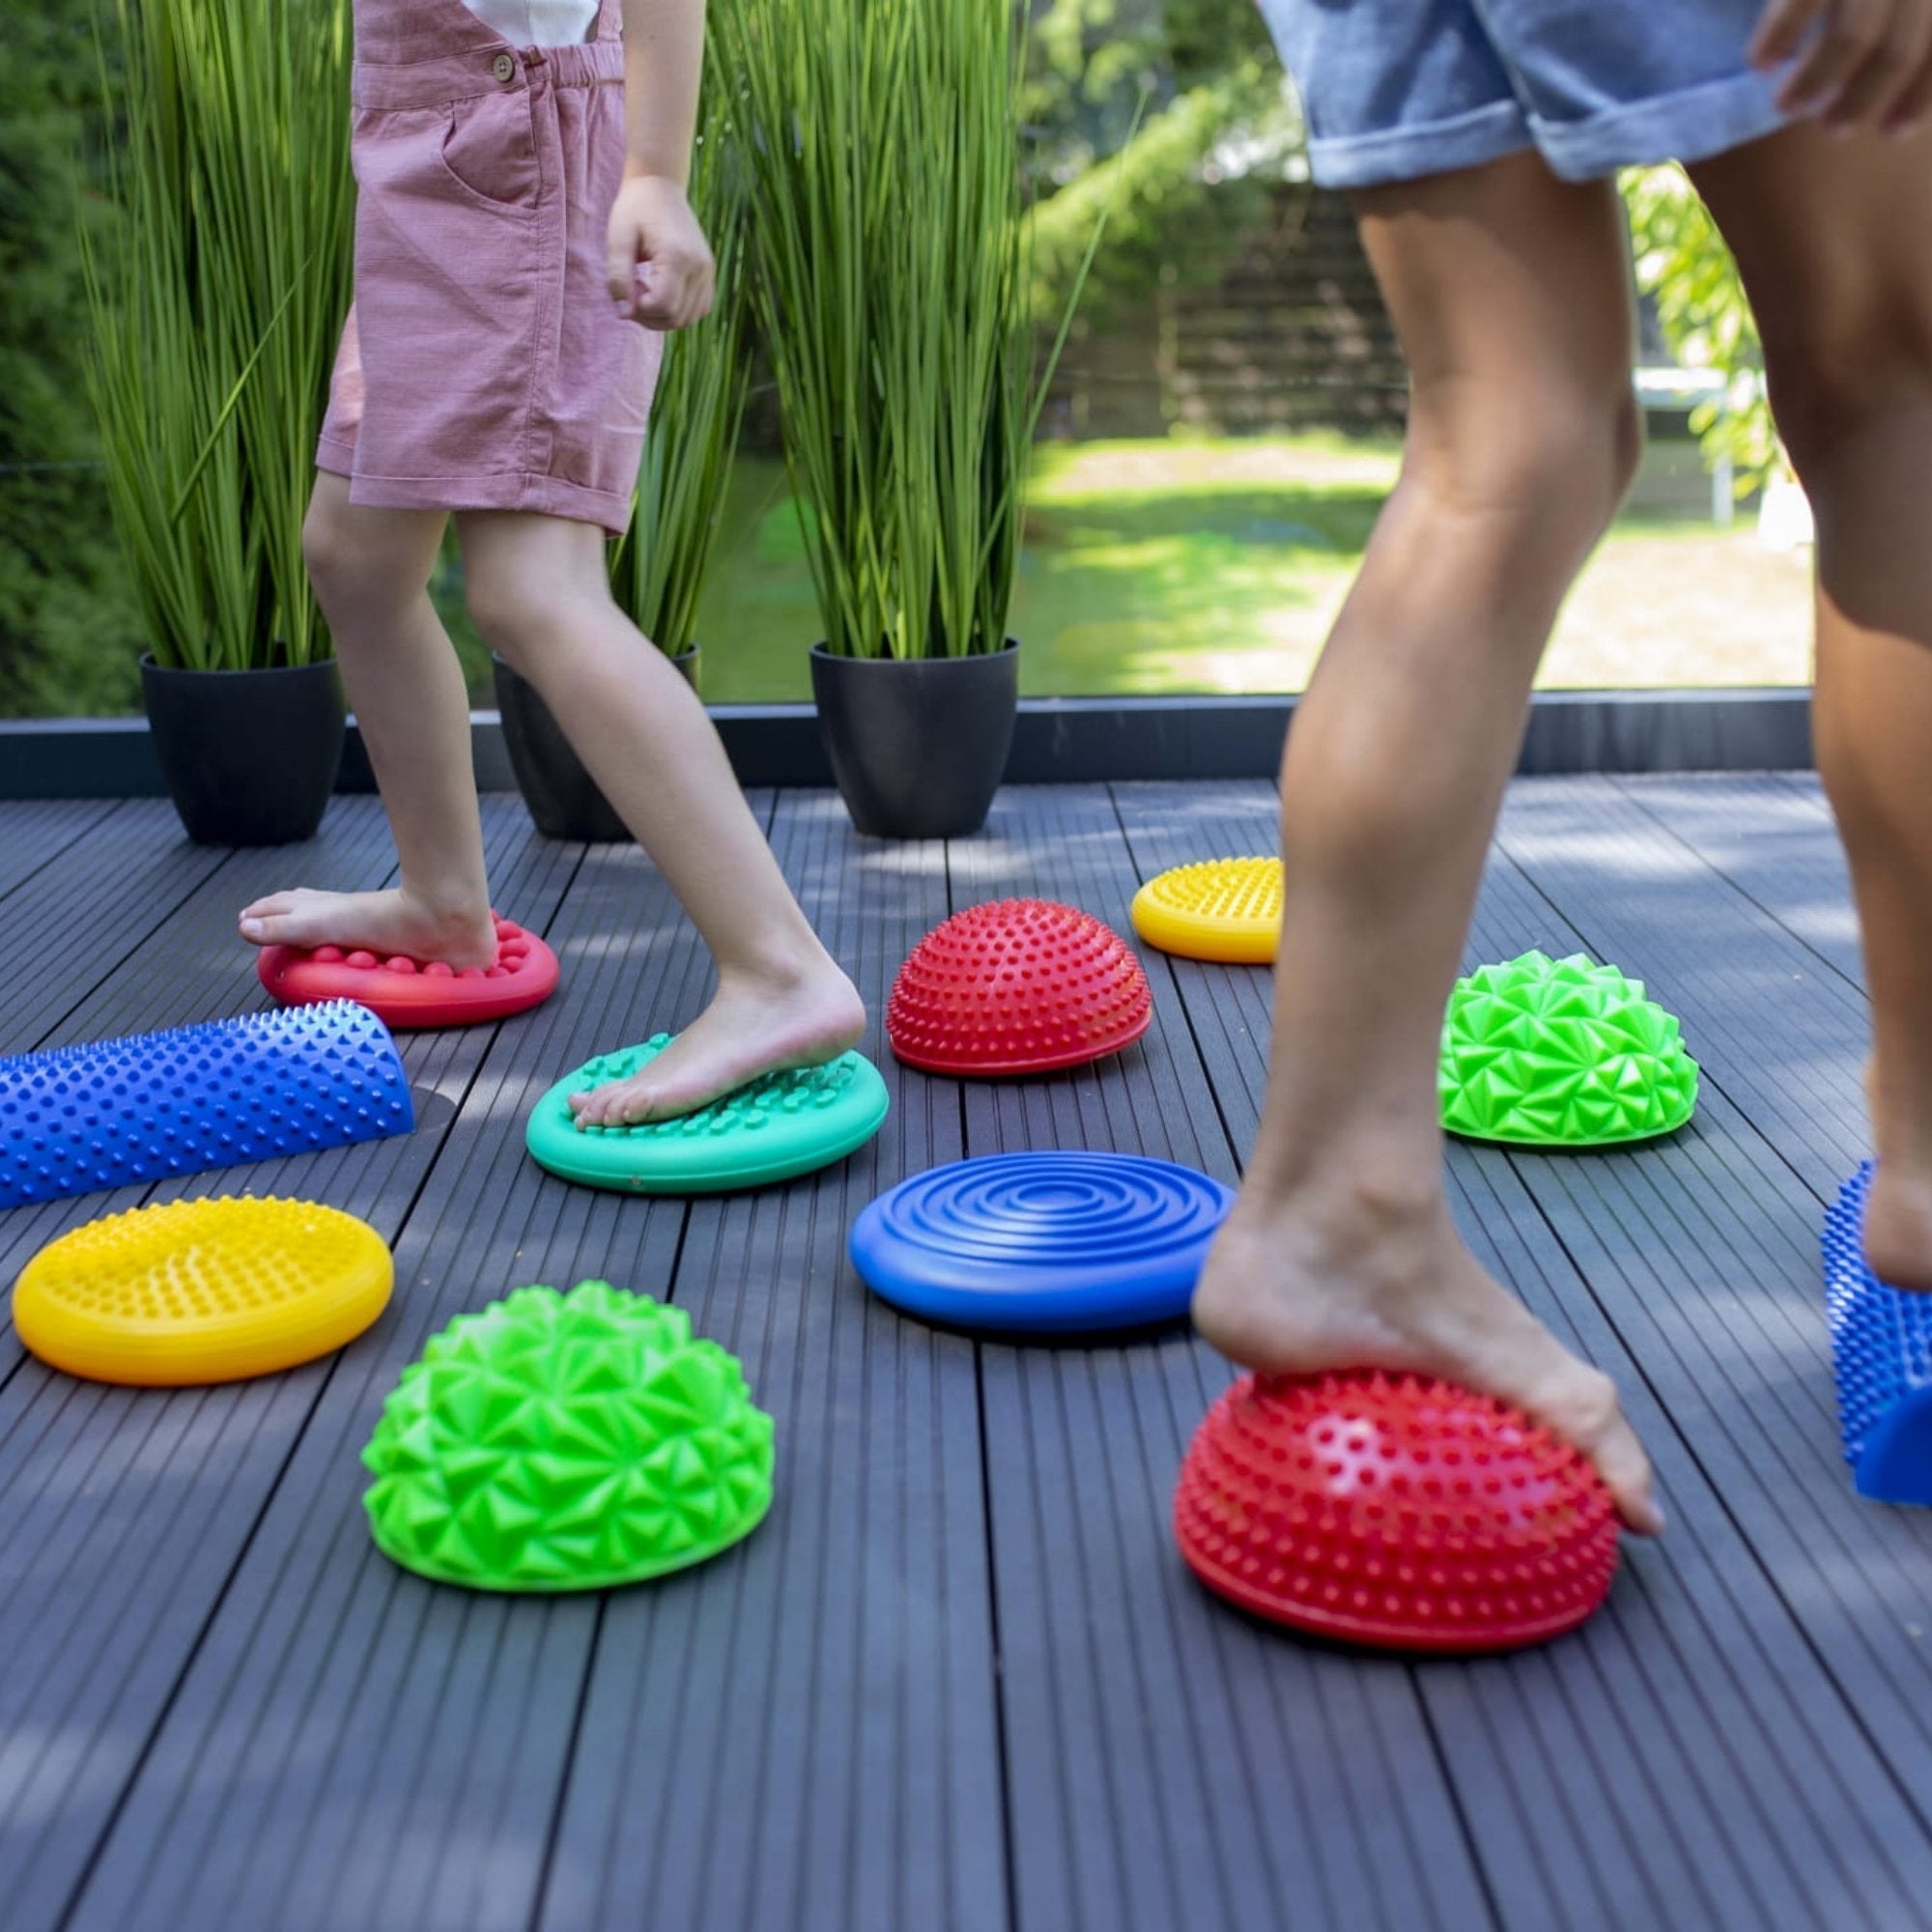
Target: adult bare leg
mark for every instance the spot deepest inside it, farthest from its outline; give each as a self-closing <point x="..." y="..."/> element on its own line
<point x="1510" y="291"/>
<point x="1834" y="237"/>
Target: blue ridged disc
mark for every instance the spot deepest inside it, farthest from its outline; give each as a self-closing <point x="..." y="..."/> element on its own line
<point x="1882" y="1350"/>
<point x="1042" y="1244"/>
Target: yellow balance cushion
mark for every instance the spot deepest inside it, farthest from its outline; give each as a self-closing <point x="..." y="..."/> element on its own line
<point x="1226" y="909"/>
<point x="202" y="1290"/>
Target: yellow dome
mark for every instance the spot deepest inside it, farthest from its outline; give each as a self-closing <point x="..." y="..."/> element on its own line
<point x="1224" y="909"/>
<point x="202" y="1290"/>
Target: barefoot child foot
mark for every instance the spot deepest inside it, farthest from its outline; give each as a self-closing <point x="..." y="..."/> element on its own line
<point x="755" y="1025"/>
<point x="385" y="923"/>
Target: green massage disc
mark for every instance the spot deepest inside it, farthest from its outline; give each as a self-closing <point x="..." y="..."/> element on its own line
<point x="782" y="1125"/>
<point x="567" y="1442"/>
<point x="1550" y="1052"/>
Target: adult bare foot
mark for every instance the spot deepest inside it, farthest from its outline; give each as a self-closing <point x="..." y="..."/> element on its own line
<point x="388" y="925"/>
<point x="754" y="1026"/>
<point x="1352" y="1281"/>
<point x="1898" y="1226"/>
<point x="1898" y="1210"/>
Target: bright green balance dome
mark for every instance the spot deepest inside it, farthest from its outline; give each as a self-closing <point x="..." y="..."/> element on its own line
<point x="1561" y="1053"/>
<point x="567" y="1442"/>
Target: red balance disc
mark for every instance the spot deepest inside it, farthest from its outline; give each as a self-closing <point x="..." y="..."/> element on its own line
<point x="1393" y="1510"/>
<point x="415" y="992"/>
<point x="1017" y="986"/>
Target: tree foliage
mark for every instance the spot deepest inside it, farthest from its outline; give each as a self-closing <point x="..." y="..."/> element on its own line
<point x="68" y="625"/>
<point x="1682" y="263"/>
<point x="1216" y="129"/>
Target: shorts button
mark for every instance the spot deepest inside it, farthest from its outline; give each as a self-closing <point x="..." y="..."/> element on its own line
<point x="503" y="66"/>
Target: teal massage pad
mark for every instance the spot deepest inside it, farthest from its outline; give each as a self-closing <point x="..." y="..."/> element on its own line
<point x="780" y="1125"/>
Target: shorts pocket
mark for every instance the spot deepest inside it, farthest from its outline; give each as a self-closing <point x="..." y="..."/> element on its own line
<point x="489" y="152"/>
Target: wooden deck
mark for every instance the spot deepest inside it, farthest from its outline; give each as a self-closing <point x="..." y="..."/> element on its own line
<point x="960" y="1682"/>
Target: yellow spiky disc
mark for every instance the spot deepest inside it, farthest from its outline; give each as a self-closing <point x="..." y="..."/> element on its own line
<point x="202" y="1290"/>
<point x="1224" y="909"/>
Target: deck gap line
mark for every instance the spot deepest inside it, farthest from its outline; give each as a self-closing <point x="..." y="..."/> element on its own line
<point x="1478" y="1865"/>
<point x="105" y="808"/>
<point x="553" y="1825"/>
<point x="1705" y="1076"/>
<point x="1743" y="891"/>
<point x="1881" y="1757"/>
<point x="1234" y="1151"/>
<point x="137" y="1768"/>
<point x="297" y="1438"/>
<point x="110" y="967"/>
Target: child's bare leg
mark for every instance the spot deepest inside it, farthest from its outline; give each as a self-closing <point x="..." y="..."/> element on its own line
<point x="539" y="593"/>
<point x="1510" y="293"/>
<point x="371" y="570"/>
<point x="1834" y="239"/>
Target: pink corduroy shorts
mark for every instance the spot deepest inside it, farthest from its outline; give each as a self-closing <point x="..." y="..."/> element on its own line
<point x="484" y="365"/>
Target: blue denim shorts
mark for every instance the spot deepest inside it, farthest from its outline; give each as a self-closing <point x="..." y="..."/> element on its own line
<point x="1394" y="89"/>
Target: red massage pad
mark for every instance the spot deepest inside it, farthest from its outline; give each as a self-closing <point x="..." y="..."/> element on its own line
<point x="414" y="992"/>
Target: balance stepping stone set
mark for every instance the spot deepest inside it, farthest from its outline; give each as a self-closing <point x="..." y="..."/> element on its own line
<point x="586" y="1440"/>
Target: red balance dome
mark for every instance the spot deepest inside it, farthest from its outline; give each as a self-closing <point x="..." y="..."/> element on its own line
<point x="1017" y="986"/>
<point x="1393" y="1510"/>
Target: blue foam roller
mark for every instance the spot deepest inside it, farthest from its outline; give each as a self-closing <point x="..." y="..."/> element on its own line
<point x="81" y="1117"/>
<point x="1881" y="1349"/>
<point x="1042" y="1244"/>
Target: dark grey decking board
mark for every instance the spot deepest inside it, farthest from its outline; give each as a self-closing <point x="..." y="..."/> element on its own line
<point x="804" y="1735"/>
<point x="32" y="836"/>
<point x="1169" y="1765"/>
<point x="1734" y="1743"/>
<point x="1692" y="1627"/>
<point x="111" y="1589"/>
<point x="1854" y="1573"/>
<point x="444" y="1719"/>
<point x="1701" y="1254"/>
<point x="1774" y="842"/>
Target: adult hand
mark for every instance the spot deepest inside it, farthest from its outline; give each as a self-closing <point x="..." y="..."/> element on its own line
<point x="1854" y="63"/>
<point x="660" y="269"/>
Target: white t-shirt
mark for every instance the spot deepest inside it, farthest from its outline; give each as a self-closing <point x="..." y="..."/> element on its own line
<point x="538" y="23"/>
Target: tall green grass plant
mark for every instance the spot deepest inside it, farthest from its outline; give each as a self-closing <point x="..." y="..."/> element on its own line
<point x="216" y="297"/>
<point x="894" y="290"/>
<point x="658" y="566"/>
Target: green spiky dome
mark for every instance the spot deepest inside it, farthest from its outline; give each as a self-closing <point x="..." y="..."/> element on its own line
<point x="1561" y="1053"/>
<point x="567" y="1442"/>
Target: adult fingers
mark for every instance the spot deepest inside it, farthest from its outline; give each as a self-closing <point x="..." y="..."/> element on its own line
<point x="1783" y="30"/>
<point x="1853" y="35"/>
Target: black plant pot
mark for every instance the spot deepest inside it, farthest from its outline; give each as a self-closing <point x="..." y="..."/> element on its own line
<point x="563" y="798"/>
<point x="249" y="756"/>
<point x="917" y="745"/>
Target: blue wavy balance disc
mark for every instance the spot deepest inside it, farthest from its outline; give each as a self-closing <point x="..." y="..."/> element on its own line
<point x="1042" y="1244"/>
<point x="78" y="1118"/>
<point x="1882" y="1350"/>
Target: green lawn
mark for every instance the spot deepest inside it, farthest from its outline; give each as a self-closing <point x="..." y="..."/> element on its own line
<point x="1218" y="566"/>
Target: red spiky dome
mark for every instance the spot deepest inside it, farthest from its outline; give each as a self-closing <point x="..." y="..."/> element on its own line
<point x="1017" y="986"/>
<point x="1393" y="1510"/>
